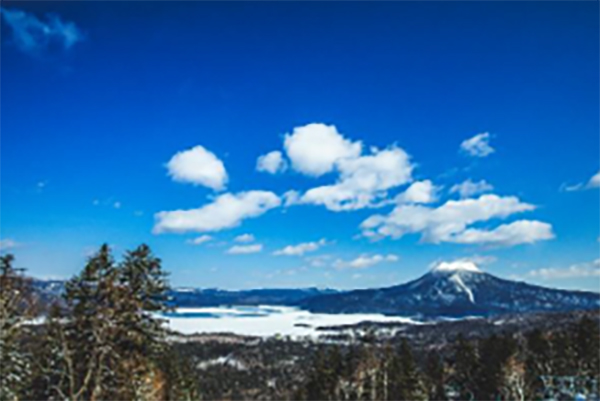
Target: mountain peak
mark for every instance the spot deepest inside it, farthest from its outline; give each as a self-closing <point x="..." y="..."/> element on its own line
<point x="456" y="266"/>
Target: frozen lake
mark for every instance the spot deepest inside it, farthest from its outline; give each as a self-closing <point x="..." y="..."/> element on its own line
<point x="264" y="320"/>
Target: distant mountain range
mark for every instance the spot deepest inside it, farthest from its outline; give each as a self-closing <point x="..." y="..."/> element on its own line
<point x="192" y="297"/>
<point x="454" y="290"/>
<point x="450" y="290"/>
<point x="49" y="290"/>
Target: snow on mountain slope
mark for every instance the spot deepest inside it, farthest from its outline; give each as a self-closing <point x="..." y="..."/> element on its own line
<point x="454" y="289"/>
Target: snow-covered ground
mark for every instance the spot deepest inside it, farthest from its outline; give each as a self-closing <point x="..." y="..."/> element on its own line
<point x="264" y="320"/>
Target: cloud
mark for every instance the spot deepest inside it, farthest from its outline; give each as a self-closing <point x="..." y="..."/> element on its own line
<point x="364" y="261"/>
<point x="226" y="211"/>
<point x="272" y="163"/>
<point x="450" y="222"/>
<point x="117" y="205"/>
<point x="318" y="260"/>
<point x="419" y="192"/>
<point x="592" y="183"/>
<point x="198" y="166"/>
<point x="7" y="243"/>
<point x="363" y="181"/>
<point x="578" y="270"/>
<point x="199" y="240"/>
<point x="291" y="198"/>
<point x="35" y="37"/>
<point x="300" y="249"/>
<point x="518" y="232"/>
<point x="314" y="149"/>
<point x="245" y="249"/>
<point x="244" y="238"/>
<point x="478" y="146"/>
<point x="468" y="188"/>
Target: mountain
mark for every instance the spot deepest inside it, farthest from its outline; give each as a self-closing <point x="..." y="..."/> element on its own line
<point x="51" y="290"/>
<point x="192" y="297"/>
<point x="455" y="289"/>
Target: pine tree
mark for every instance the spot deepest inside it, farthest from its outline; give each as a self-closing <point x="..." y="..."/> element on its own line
<point x="15" y="306"/>
<point x="494" y="353"/>
<point x="324" y="374"/>
<point x="537" y="363"/>
<point x="90" y="334"/>
<point x="143" y="289"/>
<point x="466" y="364"/>
<point x="144" y="294"/>
<point x="434" y="371"/>
<point x="404" y="381"/>
<point x="587" y="347"/>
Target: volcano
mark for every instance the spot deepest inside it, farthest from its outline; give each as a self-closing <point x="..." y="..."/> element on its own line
<point x="454" y="289"/>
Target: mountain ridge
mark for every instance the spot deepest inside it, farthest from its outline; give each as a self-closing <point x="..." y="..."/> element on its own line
<point x="454" y="292"/>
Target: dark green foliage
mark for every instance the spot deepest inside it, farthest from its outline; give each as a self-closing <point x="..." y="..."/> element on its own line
<point x="324" y="374"/>
<point x="537" y="363"/>
<point x="15" y="309"/>
<point x="494" y="353"/>
<point x="434" y="372"/>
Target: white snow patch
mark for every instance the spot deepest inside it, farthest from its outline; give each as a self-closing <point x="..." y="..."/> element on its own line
<point x="266" y="320"/>
<point x="457" y="266"/>
<point x="461" y="286"/>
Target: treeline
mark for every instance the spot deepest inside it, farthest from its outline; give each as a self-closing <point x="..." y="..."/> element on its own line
<point x="534" y="366"/>
<point x="104" y="342"/>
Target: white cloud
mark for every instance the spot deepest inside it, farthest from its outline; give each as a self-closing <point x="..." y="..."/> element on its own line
<point x="291" y="198"/>
<point x="198" y="166"/>
<point x="272" y="163"/>
<point x="518" y="232"/>
<point x="7" y="243"/>
<point x="244" y="238"/>
<point x="450" y="222"/>
<point x="477" y="146"/>
<point x="419" y="192"/>
<point x="587" y="269"/>
<point x="226" y="211"/>
<point x="469" y="188"/>
<point x="117" y="205"/>
<point x="300" y="249"/>
<point x="314" y="149"/>
<point x="318" y="260"/>
<point x="364" y="261"/>
<point x="363" y="180"/>
<point x="593" y="182"/>
<point x="245" y="249"/>
<point x="200" y="240"/>
<point x="34" y="37"/>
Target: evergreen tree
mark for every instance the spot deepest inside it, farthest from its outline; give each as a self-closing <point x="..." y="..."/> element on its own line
<point x="537" y="363"/>
<point x="404" y="378"/>
<point x="144" y="290"/>
<point x="90" y="334"/>
<point x="587" y="347"/>
<point x="141" y="294"/>
<point x="434" y="371"/>
<point x="324" y="374"/>
<point x="494" y="353"/>
<point x="465" y="366"/>
<point x="48" y="369"/>
<point x="15" y="307"/>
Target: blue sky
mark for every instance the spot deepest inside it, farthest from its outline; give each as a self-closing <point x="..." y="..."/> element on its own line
<point x="410" y="133"/>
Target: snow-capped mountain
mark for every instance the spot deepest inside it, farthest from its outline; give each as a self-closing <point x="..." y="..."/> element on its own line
<point x="454" y="289"/>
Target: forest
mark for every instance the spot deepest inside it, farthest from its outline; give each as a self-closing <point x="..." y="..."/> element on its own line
<point x="105" y="340"/>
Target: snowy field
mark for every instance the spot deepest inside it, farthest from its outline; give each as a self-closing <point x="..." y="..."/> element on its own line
<point x="264" y="320"/>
